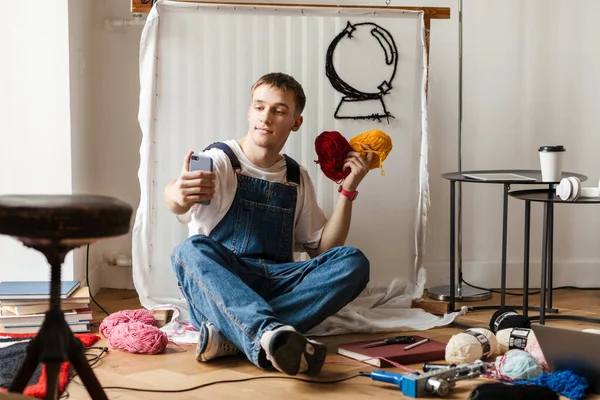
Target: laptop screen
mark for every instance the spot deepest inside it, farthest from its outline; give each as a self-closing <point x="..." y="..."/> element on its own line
<point x="572" y="350"/>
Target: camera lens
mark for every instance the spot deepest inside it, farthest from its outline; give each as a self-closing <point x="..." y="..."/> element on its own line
<point x="195" y="158"/>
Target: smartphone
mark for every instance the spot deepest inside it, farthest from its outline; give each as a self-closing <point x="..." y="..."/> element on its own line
<point x="200" y="162"/>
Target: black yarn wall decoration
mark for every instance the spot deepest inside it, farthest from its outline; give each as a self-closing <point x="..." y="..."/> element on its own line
<point x="372" y="101"/>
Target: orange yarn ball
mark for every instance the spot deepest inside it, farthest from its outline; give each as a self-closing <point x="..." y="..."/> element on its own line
<point x="378" y="142"/>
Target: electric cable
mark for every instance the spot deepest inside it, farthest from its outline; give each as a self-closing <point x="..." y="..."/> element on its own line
<point x="87" y="278"/>
<point x="95" y="358"/>
<point x="232" y="381"/>
<point x="530" y="293"/>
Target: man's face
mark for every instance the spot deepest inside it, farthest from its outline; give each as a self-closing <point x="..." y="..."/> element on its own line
<point x="272" y="116"/>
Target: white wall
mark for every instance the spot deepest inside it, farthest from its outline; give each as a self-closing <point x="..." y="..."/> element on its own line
<point x="525" y="84"/>
<point x="116" y="132"/>
<point x="528" y="80"/>
<point x="35" y="126"/>
<point x="81" y="91"/>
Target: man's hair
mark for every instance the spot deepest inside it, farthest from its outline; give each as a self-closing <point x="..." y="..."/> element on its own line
<point x="285" y="83"/>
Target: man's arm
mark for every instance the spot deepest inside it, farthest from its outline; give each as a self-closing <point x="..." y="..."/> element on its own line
<point x="336" y="229"/>
<point x="189" y="188"/>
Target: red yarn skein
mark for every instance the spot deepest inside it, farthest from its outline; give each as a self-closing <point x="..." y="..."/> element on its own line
<point x="134" y="331"/>
<point x="332" y="148"/>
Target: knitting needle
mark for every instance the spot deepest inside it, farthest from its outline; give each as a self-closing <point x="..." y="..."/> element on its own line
<point x="412" y="346"/>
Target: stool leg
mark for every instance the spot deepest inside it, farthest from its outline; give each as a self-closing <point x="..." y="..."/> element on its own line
<point x="55" y="342"/>
<point x="52" y="373"/>
<point x="81" y="365"/>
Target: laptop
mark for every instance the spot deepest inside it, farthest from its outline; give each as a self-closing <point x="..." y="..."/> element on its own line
<point x="567" y="349"/>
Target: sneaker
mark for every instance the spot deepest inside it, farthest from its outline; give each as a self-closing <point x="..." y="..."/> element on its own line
<point x="290" y="352"/>
<point x="212" y="344"/>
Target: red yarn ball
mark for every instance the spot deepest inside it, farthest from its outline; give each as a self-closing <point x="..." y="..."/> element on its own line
<point x="332" y="149"/>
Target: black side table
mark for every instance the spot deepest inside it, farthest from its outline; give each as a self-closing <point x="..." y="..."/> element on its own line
<point x="549" y="198"/>
<point x="450" y="292"/>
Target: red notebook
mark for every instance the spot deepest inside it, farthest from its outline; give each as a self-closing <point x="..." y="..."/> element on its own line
<point x="430" y="351"/>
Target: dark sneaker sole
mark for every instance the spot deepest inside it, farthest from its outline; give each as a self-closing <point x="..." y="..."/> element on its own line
<point x="315" y="360"/>
<point x="291" y="346"/>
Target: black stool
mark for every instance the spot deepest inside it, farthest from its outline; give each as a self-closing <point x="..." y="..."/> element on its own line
<point x="54" y="225"/>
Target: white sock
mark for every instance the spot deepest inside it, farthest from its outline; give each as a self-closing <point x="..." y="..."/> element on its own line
<point x="266" y="337"/>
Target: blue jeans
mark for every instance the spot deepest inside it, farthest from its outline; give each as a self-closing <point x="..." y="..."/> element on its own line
<point x="244" y="297"/>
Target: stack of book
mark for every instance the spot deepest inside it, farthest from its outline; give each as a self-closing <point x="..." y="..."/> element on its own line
<point x="23" y="305"/>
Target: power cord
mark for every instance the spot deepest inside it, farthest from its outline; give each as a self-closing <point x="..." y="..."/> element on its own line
<point x="234" y="381"/>
<point x="529" y="293"/>
<point x="87" y="278"/>
<point x="93" y="359"/>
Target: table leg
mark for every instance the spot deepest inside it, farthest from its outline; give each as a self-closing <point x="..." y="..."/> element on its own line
<point x="545" y="243"/>
<point x="550" y="252"/>
<point x="504" y="240"/>
<point x="452" y="244"/>
<point x="526" y="236"/>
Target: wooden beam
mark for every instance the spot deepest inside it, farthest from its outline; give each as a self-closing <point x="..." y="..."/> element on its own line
<point x="144" y="6"/>
<point x="141" y="6"/>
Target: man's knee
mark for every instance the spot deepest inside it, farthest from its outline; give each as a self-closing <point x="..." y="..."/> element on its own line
<point x="191" y="251"/>
<point x="358" y="264"/>
<point x="193" y="245"/>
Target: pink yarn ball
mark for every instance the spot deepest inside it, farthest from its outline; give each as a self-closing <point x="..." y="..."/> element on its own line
<point x="139" y="338"/>
<point x="134" y="331"/>
<point x="124" y="317"/>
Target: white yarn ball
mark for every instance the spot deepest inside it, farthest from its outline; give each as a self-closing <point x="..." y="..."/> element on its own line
<point x="489" y="336"/>
<point x="466" y="348"/>
<point x="503" y="337"/>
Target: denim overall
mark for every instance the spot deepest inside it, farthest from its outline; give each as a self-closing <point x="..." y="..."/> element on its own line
<point x="242" y="277"/>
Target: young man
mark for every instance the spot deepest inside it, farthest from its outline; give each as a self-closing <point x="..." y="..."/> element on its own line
<point x="236" y="269"/>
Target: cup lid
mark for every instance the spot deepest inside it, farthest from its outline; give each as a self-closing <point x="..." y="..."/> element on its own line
<point x="552" y="148"/>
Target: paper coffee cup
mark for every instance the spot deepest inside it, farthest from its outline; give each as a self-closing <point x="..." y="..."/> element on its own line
<point x="551" y="160"/>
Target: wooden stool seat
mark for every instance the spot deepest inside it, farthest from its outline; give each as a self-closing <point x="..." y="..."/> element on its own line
<point x="69" y="219"/>
<point x="54" y="225"/>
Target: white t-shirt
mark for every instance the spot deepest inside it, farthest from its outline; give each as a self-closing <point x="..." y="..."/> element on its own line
<point x="309" y="219"/>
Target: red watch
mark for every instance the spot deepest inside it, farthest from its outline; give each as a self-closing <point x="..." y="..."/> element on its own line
<point x="350" y="195"/>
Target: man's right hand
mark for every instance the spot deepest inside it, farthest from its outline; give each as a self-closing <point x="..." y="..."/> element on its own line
<point x="189" y="188"/>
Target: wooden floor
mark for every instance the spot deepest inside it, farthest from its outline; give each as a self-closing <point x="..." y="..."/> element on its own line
<point x="177" y="369"/>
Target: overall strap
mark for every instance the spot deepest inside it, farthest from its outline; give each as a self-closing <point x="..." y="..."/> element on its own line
<point x="292" y="167"/>
<point x="293" y="170"/>
<point x="235" y="162"/>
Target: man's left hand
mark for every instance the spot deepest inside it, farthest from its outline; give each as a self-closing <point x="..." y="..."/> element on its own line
<point x="359" y="166"/>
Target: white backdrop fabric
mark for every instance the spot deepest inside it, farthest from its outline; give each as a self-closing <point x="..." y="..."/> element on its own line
<point x="197" y="64"/>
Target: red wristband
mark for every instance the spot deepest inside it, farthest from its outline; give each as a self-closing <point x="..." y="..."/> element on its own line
<point x="350" y="195"/>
